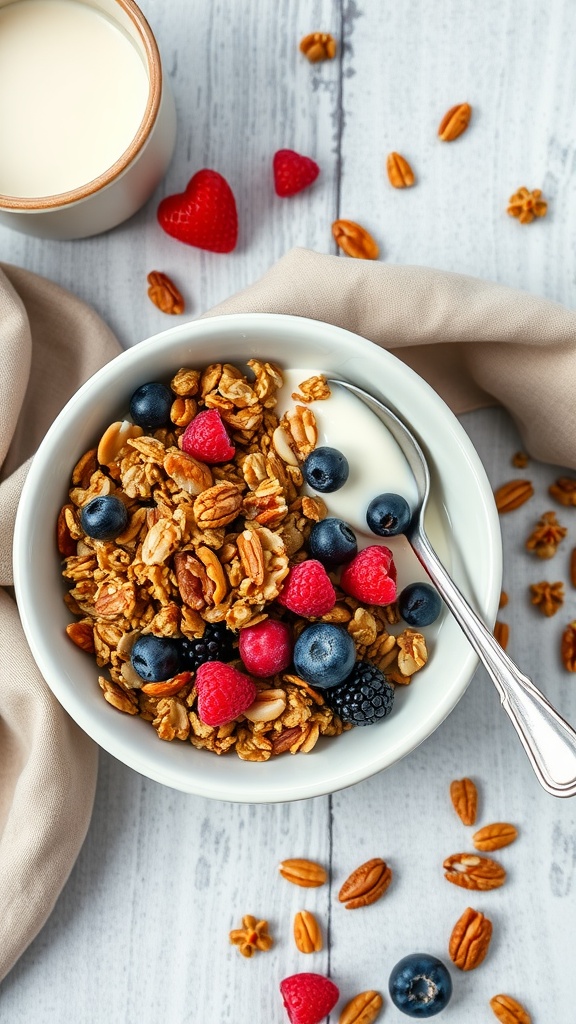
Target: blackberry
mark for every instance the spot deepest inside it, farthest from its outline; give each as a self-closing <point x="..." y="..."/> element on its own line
<point x="363" y="698"/>
<point x="217" y="644"/>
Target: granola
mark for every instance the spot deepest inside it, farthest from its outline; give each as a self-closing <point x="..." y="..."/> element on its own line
<point x="206" y="545"/>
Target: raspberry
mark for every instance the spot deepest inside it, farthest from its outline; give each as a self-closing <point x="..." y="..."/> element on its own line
<point x="204" y="215"/>
<point x="293" y="172"/>
<point x="266" y="648"/>
<point x="223" y="693"/>
<point x="308" y="590"/>
<point x="371" y="576"/>
<point x="308" y="998"/>
<point x="206" y="439"/>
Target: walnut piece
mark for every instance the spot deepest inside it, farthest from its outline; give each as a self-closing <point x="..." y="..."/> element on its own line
<point x="546" y="536"/>
<point x="252" y="937"/>
<point x="548" y="597"/>
<point x="525" y="205"/>
<point x="317" y="46"/>
<point x="164" y="293"/>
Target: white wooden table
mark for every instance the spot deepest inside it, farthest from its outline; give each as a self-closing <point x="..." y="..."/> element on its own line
<point x="140" y="933"/>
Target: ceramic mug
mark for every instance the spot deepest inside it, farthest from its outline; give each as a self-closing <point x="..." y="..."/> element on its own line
<point x="88" y="118"/>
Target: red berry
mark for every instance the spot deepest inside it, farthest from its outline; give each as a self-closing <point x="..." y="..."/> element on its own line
<point x="206" y="439"/>
<point x="266" y="648"/>
<point x="223" y="692"/>
<point x="371" y="576"/>
<point x="293" y="172"/>
<point x="204" y="215"/>
<point x="308" y="590"/>
<point x="308" y="998"/>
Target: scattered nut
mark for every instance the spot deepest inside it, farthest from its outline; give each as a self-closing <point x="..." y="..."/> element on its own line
<point x="494" y="837"/>
<point x="502" y="634"/>
<point x="568" y="647"/>
<point x="546" y="536"/>
<point x="354" y="240"/>
<point x="164" y="293"/>
<point x="548" y="597"/>
<point x="307" y="934"/>
<point x="252" y="937"/>
<point x="573" y="567"/>
<point x="306" y="873"/>
<point x="366" y="884"/>
<point x="509" y="1011"/>
<point x="464" y="796"/>
<point x="317" y="46"/>
<point x="400" y="173"/>
<point x="470" y="939"/>
<point x="513" y="494"/>
<point x="525" y="205"/>
<point x="520" y="460"/>
<point x="454" y="122"/>
<point x="503" y="599"/>
<point x="470" y="871"/>
<point x="563" y="490"/>
<point x="362" y="1009"/>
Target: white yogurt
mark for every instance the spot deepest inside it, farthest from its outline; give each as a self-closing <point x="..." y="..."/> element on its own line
<point x="73" y="92"/>
<point x="377" y="465"/>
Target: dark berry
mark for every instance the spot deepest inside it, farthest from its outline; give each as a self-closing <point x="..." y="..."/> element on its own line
<point x="324" y="654"/>
<point x="155" y="657"/>
<point x="364" y="697"/>
<point x="150" y="405"/>
<point x="388" y="514"/>
<point x="332" y="542"/>
<point x="104" y="518"/>
<point x="419" y="604"/>
<point x="326" y="469"/>
<point x="420" y="985"/>
<point x="216" y="644"/>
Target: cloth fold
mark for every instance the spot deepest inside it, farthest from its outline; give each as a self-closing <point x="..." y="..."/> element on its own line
<point x="50" y="342"/>
<point x="477" y="343"/>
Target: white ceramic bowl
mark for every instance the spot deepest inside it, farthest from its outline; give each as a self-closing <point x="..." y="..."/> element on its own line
<point x="461" y="494"/>
<point x="119" y="190"/>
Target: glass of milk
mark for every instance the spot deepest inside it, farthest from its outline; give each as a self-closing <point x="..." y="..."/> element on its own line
<point x="87" y="121"/>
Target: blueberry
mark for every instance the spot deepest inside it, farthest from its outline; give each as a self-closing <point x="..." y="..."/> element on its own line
<point x="326" y="469"/>
<point x="150" y="405"/>
<point x="324" y="654"/>
<point x="419" y="604"/>
<point x="388" y="514"/>
<point x="420" y="985"/>
<point x="155" y="657"/>
<point x="104" y="518"/>
<point x="332" y="542"/>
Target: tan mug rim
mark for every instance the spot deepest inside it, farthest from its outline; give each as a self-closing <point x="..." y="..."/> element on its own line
<point x="129" y="154"/>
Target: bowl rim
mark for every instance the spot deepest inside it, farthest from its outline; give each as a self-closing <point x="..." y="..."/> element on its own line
<point x="278" y="792"/>
<point x="151" y="53"/>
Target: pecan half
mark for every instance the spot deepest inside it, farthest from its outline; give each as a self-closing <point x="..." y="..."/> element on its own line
<point x="471" y="871"/>
<point x="454" y="122"/>
<point x="306" y="873"/>
<point x="362" y="1009"/>
<point x="307" y="934"/>
<point x="509" y="1010"/>
<point x="513" y="494"/>
<point x="164" y="293"/>
<point x="217" y="506"/>
<point x="464" y="796"/>
<point x="568" y="647"/>
<point x="318" y="46"/>
<point x="366" y="884"/>
<point x="192" y="579"/>
<point x="503" y="599"/>
<point x="520" y="460"/>
<point x="563" y="490"/>
<point x="495" y="836"/>
<point x="470" y="939"/>
<point x="400" y="173"/>
<point x="82" y="634"/>
<point x="251" y="555"/>
<point x="354" y="240"/>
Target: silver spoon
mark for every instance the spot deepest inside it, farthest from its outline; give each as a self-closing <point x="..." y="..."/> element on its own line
<point x="549" y="741"/>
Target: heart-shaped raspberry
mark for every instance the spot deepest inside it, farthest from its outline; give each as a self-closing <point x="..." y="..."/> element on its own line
<point x="293" y="172"/>
<point x="204" y="215"/>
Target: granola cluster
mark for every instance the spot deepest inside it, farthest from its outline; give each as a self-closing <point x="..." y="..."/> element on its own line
<point x="209" y="544"/>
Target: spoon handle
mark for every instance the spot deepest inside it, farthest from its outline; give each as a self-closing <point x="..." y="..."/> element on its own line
<point x="549" y="741"/>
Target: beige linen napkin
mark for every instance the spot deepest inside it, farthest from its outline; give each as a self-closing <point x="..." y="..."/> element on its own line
<point x="50" y="342"/>
<point x="477" y="343"/>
